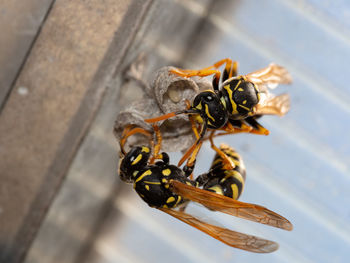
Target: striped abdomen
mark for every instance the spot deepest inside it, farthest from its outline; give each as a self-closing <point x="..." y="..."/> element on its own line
<point x="226" y="182"/>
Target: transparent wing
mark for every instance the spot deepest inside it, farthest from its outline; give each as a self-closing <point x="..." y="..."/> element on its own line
<point x="269" y="77"/>
<point x="229" y="237"/>
<point x="230" y="206"/>
<point x="273" y="105"/>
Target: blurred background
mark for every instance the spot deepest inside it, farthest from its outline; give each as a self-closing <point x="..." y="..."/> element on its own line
<point x="62" y="85"/>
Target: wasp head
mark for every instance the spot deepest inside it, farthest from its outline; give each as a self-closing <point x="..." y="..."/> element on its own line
<point x="211" y="109"/>
<point x="136" y="159"/>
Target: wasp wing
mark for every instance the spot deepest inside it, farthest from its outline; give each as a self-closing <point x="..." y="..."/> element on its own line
<point x="229" y="237"/>
<point x="273" y="105"/>
<point x="230" y="206"/>
<point x="269" y="77"/>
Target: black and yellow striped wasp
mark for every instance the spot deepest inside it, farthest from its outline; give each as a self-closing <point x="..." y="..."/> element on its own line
<point x="235" y="105"/>
<point x="167" y="188"/>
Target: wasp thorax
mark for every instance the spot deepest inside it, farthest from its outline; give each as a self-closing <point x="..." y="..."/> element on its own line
<point x="246" y="97"/>
<point x="134" y="160"/>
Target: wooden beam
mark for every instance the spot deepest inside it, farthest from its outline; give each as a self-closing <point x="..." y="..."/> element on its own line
<point x="20" y="22"/>
<point x="51" y="106"/>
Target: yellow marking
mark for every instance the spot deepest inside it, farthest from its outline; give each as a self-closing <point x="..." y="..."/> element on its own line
<point x="234" y="188"/>
<point x="178" y="200"/>
<point x="170" y="199"/>
<point x="219" y="160"/>
<point x="166" y="186"/>
<point x="134" y="185"/>
<point x="165" y="206"/>
<point x="145" y="149"/>
<point x="223" y="101"/>
<point x="240" y="89"/>
<point x="149" y="182"/>
<point x="234" y="174"/>
<point x="229" y="151"/>
<point x="216" y="161"/>
<point x="138" y="158"/>
<point x="164" y="180"/>
<point x="244" y="107"/>
<point x="142" y="195"/>
<point x="208" y="113"/>
<point x="244" y="102"/>
<point x="237" y="163"/>
<point x="148" y="172"/>
<point x="238" y="83"/>
<point x="198" y="119"/>
<point x="257" y="91"/>
<point x="135" y="173"/>
<point x="188" y="183"/>
<point x="230" y="95"/>
<point x="217" y="189"/>
<point x="199" y="106"/>
<point x="166" y="172"/>
<point x="147" y="187"/>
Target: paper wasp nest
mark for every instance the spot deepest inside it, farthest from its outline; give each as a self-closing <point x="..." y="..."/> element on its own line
<point x="167" y="93"/>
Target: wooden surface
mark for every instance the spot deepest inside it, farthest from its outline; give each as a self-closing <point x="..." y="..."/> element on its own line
<point x="49" y="110"/>
<point x="86" y="197"/>
<point x="20" y="23"/>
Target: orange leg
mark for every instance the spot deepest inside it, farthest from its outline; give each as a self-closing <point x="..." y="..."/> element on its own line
<point x="231" y="70"/>
<point x="170" y="115"/>
<point x="199" y="73"/>
<point x="157" y="146"/>
<point x="161" y="118"/>
<point x="193" y="150"/>
<point x="229" y="129"/>
<point x="205" y="71"/>
<point x="257" y="128"/>
<point x="129" y="131"/>
<point x="227" y="162"/>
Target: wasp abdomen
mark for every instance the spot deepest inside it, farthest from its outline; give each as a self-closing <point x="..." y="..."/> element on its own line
<point x="152" y="185"/>
<point x="229" y="183"/>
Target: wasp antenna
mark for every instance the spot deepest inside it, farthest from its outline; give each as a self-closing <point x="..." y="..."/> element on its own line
<point x="170" y="115"/>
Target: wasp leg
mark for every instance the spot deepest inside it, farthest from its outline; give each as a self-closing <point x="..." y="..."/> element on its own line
<point x="230" y="67"/>
<point x="170" y="115"/>
<point x="199" y="73"/>
<point x="188" y="170"/>
<point x="257" y="128"/>
<point x="129" y="131"/>
<point x="157" y="146"/>
<point x="227" y="162"/>
<point x="231" y="70"/>
<point x="193" y="150"/>
<point x="189" y="167"/>
<point x="233" y="127"/>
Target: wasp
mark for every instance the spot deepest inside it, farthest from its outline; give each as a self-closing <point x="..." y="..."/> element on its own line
<point x="235" y="105"/>
<point x="167" y="188"/>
